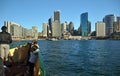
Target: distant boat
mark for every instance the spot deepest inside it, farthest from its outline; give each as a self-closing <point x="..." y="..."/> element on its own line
<point x="53" y="39"/>
<point x="18" y="57"/>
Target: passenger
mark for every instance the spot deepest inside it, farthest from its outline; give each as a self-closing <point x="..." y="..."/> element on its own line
<point x="33" y="57"/>
<point x="5" y="40"/>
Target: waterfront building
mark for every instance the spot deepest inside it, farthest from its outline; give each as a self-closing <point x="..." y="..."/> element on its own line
<point x="67" y="25"/>
<point x="63" y="28"/>
<point x="56" y="25"/>
<point x="85" y="26"/>
<point x="118" y="24"/>
<point x="7" y="24"/>
<point x="28" y="33"/>
<point x="115" y="27"/>
<point x="39" y="34"/>
<point x="14" y="29"/>
<point x="45" y="29"/>
<point x="50" y="21"/>
<point x="118" y="18"/>
<point x="24" y="32"/>
<point x="100" y="29"/>
<point x="57" y="15"/>
<point x="35" y="32"/>
<point x="109" y="21"/>
<point x="71" y="28"/>
<point x="89" y="28"/>
<point x="84" y="23"/>
<point x="19" y="32"/>
<point x="56" y="29"/>
<point x="80" y="30"/>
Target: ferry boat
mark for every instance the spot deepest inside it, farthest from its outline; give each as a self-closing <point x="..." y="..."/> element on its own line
<point x="18" y="58"/>
<point x="53" y="39"/>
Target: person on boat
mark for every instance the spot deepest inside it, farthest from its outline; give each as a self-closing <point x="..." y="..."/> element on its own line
<point x="5" y="40"/>
<point x="33" y="57"/>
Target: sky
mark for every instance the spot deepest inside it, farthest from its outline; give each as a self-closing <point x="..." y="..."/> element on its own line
<point x="30" y="13"/>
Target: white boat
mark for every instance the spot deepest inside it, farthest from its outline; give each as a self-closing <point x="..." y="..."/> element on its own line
<point x="53" y="39"/>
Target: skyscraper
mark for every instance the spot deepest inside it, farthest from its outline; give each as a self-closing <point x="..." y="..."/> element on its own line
<point x="50" y="22"/>
<point x="57" y="15"/>
<point x="63" y="27"/>
<point x="118" y="24"/>
<point x="7" y="24"/>
<point x="89" y="27"/>
<point x="56" y="29"/>
<point x="13" y="28"/>
<point x="80" y="30"/>
<point x="35" y="32"/>
<point x="118" y="18"/>
<point x="109" y="21"/>
<point x="71" y="27"/>
<point x="45" y="29"/>
<point x="56" y="26"/>
<point x="84" y="23"/>
<point x="100" y="29"/>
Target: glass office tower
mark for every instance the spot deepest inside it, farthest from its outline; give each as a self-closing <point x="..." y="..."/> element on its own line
<point x="84" y="23"/>
<point x="50" y="21"/>
<point x="109" y="21"/>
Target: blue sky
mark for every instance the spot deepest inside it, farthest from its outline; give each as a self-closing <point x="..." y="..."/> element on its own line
<point x="35" y="12"/>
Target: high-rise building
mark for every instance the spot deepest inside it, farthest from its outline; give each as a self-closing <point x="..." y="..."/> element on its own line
<point x="35" y="32"/>
<point x="63" y="28"/>
<point x="28" y="33"/>
<point x="84" y="23"/>
<point x="19" y="32"/>
<point x="80" y="30"/>
<point x="118" y="24"/>
<point x="45" y="29"/>
<point x="115" y="27"/>
<point x="109" y="22"/>
<point x="71" y="28"/>
<point x="7" y="24"/>
<point x="67" y="25"/>
<point x="14" y="29"/>
<point x="118" y="18"/>
<point x="89" y="27"/>
<point x="56" y="29"/>
<point x="100" y="29"/>
<point x="50" y="21"/>
<point x="56" y="26"/>
<point x="57" y="15"/>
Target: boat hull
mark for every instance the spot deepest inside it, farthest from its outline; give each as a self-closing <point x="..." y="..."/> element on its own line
<point x="18" y="57"/>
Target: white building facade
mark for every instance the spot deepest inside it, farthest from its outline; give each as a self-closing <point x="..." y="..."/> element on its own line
<point x="19" y="32"/>
<point x="100" y="29"/>
<point x="45" y="28"/>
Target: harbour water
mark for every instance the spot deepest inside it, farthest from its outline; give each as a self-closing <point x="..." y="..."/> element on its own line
<point x="81" y="57"/>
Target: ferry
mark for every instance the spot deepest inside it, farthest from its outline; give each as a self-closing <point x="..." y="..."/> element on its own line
<point x="18" y="58"/>
<point x="53" y="39"/>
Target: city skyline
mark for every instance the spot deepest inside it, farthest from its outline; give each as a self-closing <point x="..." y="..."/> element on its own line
<point x="34" y="13"/>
